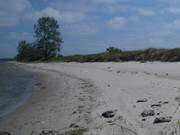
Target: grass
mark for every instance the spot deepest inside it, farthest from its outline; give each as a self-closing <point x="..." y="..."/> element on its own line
<point x="178" y="122"/>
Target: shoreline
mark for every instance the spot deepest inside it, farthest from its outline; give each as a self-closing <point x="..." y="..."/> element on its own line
<point x="77" y="95"/>
<point x="15" y="87"/>
<point x="58" y="102"/>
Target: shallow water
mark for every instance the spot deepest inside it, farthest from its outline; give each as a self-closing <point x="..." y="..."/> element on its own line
<point x="14" y="87"/>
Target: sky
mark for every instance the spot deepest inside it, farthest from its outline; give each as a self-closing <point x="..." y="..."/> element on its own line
<point x="90" y="26"/>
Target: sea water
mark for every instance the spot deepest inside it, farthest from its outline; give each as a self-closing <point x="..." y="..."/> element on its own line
<point x="15" y="87"/>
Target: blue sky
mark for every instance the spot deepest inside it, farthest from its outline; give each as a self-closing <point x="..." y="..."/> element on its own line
<point x="90" y="26"/>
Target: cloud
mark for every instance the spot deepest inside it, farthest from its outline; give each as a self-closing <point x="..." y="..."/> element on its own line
<point x="145" y="12"/>
<point x="116" y="23"/>
<point x="174" y="25"/>
<point x="90" y="6"/>
<point x="34" y="15"/>
<point x="73" y="17"/>
<point x="174" y="10"/>
<point x="11" y="11"/>
<point x="65" y="16"/>
<point x="79" y="30"/>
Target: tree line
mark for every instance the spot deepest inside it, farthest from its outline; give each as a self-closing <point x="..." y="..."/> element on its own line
<point x="47" y="42"/>
<point x="117" y="55"/>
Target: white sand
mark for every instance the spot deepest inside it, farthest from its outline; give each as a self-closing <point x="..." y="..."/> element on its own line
<point x="115" y="86"/>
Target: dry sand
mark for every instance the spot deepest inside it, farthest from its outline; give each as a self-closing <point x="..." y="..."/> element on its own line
<point x="76" y="94"/>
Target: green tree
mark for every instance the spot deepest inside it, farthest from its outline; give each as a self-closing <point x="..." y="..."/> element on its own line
<point x="113" y="50"/>
<point x="48" y="37"/>
<point x="25" y="51"/>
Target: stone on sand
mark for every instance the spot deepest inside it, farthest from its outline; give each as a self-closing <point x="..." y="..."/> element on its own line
<point x="109" y="114"/>
<point x="147" y="113"/>
<point x="142" y="100"/>
<point x="156" y="105"/>
<point x="162" y="119"/>
<point x="49" y="132"/>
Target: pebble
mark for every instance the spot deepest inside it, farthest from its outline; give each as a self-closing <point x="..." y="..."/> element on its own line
<point x="156" y="105"/>
<point x="162" y="119"/>
<point x="141" y="100"/>
<point x="109" y="114"/>
<point x="147" y="113"/>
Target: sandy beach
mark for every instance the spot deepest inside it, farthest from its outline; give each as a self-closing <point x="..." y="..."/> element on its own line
<point x="141" y="99"/>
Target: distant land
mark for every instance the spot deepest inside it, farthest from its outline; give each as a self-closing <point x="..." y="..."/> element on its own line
<point x="7" y="59"/>
<point x="117" y="55"/>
